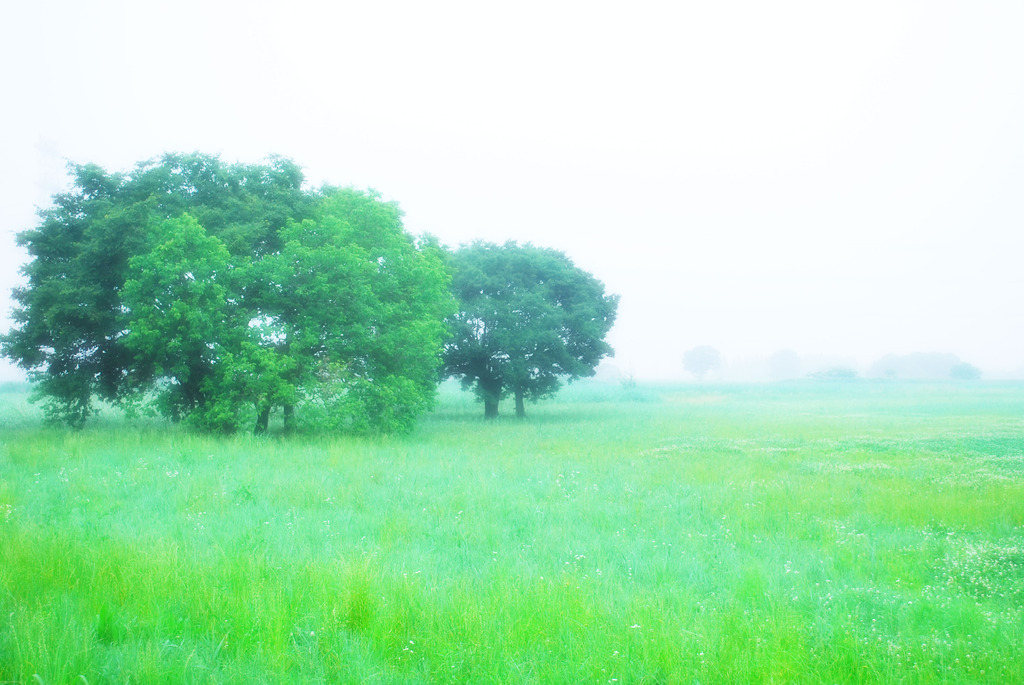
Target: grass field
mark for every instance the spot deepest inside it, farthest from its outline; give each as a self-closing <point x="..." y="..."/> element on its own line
<point x="792" y="533"/>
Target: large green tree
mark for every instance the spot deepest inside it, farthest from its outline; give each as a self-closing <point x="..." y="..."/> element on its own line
<point x="220" y="291"/>
<point x="528" y="318"/>
<point x="69" y="320"/>
<point x="359" y="309"/>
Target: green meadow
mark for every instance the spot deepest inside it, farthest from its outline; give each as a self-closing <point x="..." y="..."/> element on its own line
<point x="808" y="532"/>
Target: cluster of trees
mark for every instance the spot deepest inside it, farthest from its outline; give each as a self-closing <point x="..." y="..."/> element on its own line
<point x="215" y="292"/>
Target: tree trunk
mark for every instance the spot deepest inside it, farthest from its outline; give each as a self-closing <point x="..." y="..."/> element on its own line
<point x="263" y="421"/>
<point x="289" y="416"/>
<point x="490" y="408"/>
<point x="490" y="390"/>
<point x="520" y="405"/>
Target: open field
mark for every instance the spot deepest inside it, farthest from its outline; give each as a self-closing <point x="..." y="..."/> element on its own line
<point x="804" y="532"/>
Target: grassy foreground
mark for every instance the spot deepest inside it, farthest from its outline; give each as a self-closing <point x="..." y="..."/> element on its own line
<point x="807" y="533"/>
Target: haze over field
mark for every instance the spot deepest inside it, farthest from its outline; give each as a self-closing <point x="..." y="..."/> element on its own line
<point x="839" y="181"/>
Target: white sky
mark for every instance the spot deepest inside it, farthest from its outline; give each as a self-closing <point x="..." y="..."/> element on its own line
<point x="834" y="178"/>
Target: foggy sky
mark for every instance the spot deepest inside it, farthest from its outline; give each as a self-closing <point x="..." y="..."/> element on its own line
<point x="839" y="180"/>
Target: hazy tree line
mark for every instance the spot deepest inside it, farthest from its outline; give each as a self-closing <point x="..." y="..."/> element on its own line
<point x="786" y="364"/>
<point x="214" y="293"/>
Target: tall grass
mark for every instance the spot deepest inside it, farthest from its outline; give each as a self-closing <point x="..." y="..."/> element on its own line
<point x="805" y="532"/>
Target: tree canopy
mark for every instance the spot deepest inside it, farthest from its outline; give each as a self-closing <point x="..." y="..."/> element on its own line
<point x="216" y="291"/>
<point x="528" y="318"/>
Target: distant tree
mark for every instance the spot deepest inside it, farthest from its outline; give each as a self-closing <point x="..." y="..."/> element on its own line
<point x="835" y="373"/>
<point x="965" y="372"/>
<point x="784" y="364"/>
<point x="527" y="319"/>
<point x="225" y="290"/>
<point x="702" y="360"/>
